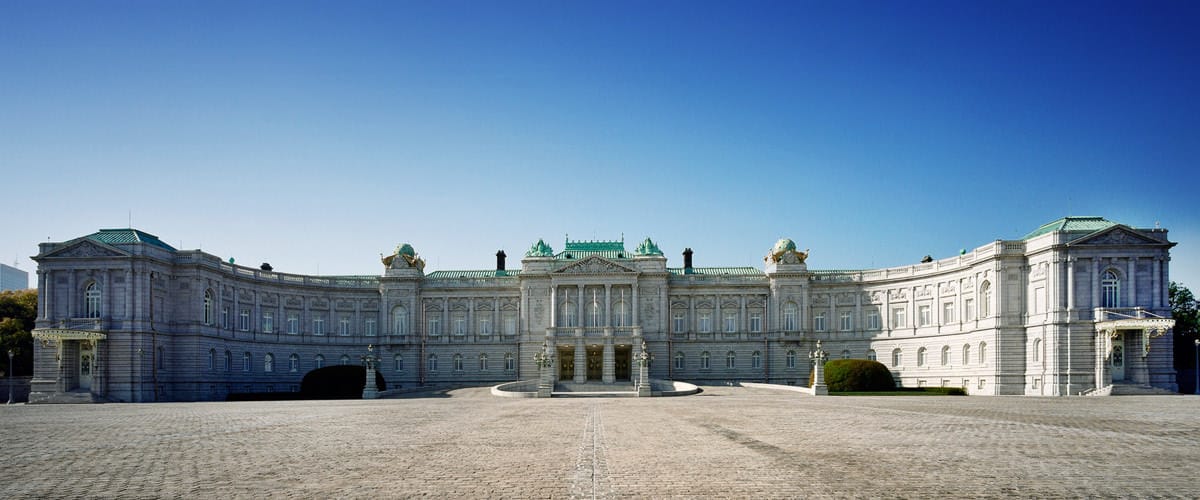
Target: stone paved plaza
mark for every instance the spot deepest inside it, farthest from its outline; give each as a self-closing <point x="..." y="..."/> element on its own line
<point x="726" y="442"/>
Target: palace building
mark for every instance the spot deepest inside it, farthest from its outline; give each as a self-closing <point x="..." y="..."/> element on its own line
<point x="1078" y="305"/>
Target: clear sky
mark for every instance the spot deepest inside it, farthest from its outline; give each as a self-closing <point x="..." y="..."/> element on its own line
<point x="316" y="136"/>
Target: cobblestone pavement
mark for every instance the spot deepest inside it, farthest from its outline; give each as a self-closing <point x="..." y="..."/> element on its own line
<point x="726" y="442"/>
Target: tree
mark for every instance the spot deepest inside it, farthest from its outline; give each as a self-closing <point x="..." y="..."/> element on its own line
<point x="1186" y="331"/>
<point x="18" y="310"/>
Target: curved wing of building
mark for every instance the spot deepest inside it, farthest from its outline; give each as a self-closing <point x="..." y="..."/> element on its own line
<point x="1076" y="306"/>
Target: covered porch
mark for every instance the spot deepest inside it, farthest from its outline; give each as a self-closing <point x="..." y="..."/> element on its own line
<point x="1123" y="341"/>
<point x="75" y="373"/>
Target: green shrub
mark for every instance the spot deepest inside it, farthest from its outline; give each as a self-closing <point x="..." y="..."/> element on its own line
<point x="849" y="375"/>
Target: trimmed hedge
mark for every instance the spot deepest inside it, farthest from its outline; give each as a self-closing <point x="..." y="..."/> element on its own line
<point x="850" y="375"/>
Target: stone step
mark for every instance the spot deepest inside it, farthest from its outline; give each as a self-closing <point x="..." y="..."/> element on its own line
<point x="1138" y="390"/>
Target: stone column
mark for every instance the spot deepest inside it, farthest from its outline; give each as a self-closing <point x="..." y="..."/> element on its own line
<point x="636" y="306"/>
<point x="1132" y="272"/>
<point x="580" y="311"/>
<point x="608" y="364"/>
<point x="554" y="306"/>
<point x="580" y="360"/>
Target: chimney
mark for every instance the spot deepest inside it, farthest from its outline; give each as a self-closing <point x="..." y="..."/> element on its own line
<point x="500" y="260"/>
<point x="687" y="261"/>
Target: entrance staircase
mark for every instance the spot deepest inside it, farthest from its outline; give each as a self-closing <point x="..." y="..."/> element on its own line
<point x="593" y="389"/>
<point x="1139" y="390"/>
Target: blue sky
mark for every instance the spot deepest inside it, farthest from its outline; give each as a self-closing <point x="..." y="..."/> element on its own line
<point x="316" y="136"/>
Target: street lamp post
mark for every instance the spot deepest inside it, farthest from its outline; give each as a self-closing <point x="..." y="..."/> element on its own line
<point x="10" y="375"/>
<point x="1195" y="368"/>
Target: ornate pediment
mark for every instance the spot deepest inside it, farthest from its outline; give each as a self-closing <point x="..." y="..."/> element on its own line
<point x="88" y="248"/>
<point x="594" y="265"/>
<point x="1117" y="235"/>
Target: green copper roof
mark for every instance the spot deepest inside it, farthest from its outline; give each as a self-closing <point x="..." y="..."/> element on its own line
<point x="128" y="236"/>
<point x="647" y="248"/>
<point x="491" y="273"/>
<point x="540" y="249"/>
<point x="1072" y="224"/>
<point x="717" y="271"/>
<point x="575" y="250"/>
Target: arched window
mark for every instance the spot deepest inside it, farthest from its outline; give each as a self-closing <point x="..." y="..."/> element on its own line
<point x="247" y="362"/>
<point x="400" y="320"/>
<point x="756" y="360"/>
<point x="985" y="299"/>
<point x="790" y="359"/>
<point x="1110" y="285"/>
<point x="871" y="355"/>
<point x="594" y="316"/>
<point x="730" y="360"/>
<point x="921" y="357"/>
<point x="344" y="360"/>
<point x="294" y="363"/>
<point x="983" y="353"/>
<point x="398" y="363"/>
<point x="319" y="361"/>
<point x="483" y="363"/>
<point x="704" y="356"/>
<point x="966" y="354"/>
<point x="228" y="361"/>
<point x="208" y="307"/>
<point x="212" y="360"/>
<point x="896" y="357"/>
<point x="269" y="363"/>
<point x="679" y="360"/>
<point x="845" y="354"/>
<point x="621" y="313"/>
<point x="510" y="362"/>
<point x="1037" y="350"/>
<point x="569" y="312"/>
<point x="91" y="301"/>
<point x="791" y="315"/>
<point x="458" y="364"/>
<point x="431" y="364"/>
<point x="946" y="355"/>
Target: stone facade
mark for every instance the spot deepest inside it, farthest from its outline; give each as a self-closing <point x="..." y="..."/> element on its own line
<point x="1075" y="306"/>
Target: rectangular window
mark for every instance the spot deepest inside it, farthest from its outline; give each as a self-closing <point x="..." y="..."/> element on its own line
<point x="460" y="326"/>
<point x="730" y="322"/>
<point x="1039" y="300"/>
<point x="344" y="326"/>
<point x="225" y="318"/>
<point x="705" y="322"/>
<point x="898" y="319"/>
<point x="510" y="325"/>
<point x="369" y="326"/>
<point x="847" y="322"/>
<point x="485" y="326"/>
<point x="947" y="312"/>
<point x="293" y="324"/>
<point x="677" y="319"/>
<point x="318" y="325"/>
<point x="873" y="320"/>
<point x="435" y="327"/>
<point x="819" y="322"/>
<point x="244" y="320"/>
<point x="923" y="316"/>
<point x="969" y="310"/>
<point x="268" y="322"/>
<point x="756" y="322"/>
